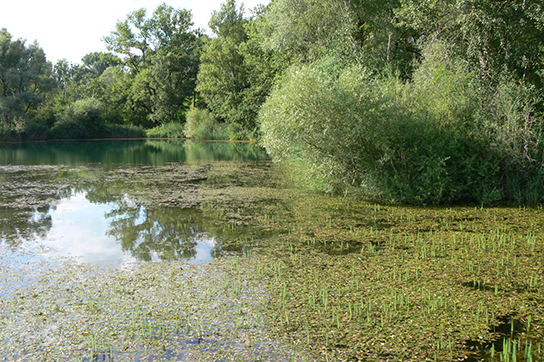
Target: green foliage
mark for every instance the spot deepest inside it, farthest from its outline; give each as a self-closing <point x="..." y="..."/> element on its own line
<point x="309" y="116"/>
<point x="82" y="119"/>
<point x="428" y="141"/>
<point x="239" y="132"/>
<point x="201" y="124"/>
<point x="119" y="131"/>
<point x="223" y="76"/>
<point x="236" y="72"/>
<point x="162" y="54"/>
<point x="466" y="125"/>
<point x="495" y="37"/>
<point x="21" y="130"/>
<point x="262" y="66"/>
<point x="308" y="29"/>
<point x="518" y="129"/>
<point x="167" y="130"/>
<point x="24" y="78"/>
<point x="93" y="66"/>
<point x="229" y="22"/>
<point x="353" y="31"/>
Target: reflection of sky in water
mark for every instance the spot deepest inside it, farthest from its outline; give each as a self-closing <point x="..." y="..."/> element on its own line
<point x="79" y="230"/>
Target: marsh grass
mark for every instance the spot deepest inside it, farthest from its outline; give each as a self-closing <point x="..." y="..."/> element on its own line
<point x="407" y="283"/>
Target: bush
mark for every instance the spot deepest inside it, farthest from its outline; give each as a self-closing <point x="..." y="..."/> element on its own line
<point x="518" y="129"/>
<point x="444" y="153"/>
<point x="167" y="130"/>
<point x="82" y="119"/>
<point x="237" y="132"/>
<point x="201" y="124"/>
<point x="317" y="119"/>
<point x="420" y="142"/>
<point x="22" y="130"/>
<point x="118" y="131"/>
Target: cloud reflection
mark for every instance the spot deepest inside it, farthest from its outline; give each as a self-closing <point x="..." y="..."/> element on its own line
<point x="122" y="232"/>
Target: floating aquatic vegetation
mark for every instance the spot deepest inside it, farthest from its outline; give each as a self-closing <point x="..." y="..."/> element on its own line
<point x="326" y="278"/>
<point x="365" y="282"/>
<point x="165" y="310"/>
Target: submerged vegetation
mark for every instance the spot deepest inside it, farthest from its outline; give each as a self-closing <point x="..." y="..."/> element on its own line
<point x="303" y="276"/>
<point x="360" y="281"/>
<point x="153" y="311"/>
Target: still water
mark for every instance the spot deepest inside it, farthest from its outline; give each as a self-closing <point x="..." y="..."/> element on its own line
<point x="131" y="152"/>
<point x="114" y="202"/>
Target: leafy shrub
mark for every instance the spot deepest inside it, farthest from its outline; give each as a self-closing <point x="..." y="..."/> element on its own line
<point x="22" y="130"/>
<point x="35" y="132"/>
<point x="81" y="119"/>
<point x="418" y="143"/>
<point x="314" y="118"/>
<point x="118" y="131"/>
<point x="518" y="128"/>
<point x="201" y="124"/>
<point x="236" y="132"/>
<point x="452" y="155"/>
<point x="167" y="130"/>
<point x="6" y="134"/>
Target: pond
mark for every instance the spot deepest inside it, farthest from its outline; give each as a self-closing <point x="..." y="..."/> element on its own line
<point x="204" y="251"/>
<point x="131" y="152"/>
<point x="129" y="250"/>
<point x="80" y="199"/>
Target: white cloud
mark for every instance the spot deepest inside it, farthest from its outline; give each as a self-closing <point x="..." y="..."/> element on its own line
<point x="68" y="29"/>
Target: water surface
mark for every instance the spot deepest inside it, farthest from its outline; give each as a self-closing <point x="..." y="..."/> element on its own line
<point x="131" y="152"/>
<point x="113" y="202"/>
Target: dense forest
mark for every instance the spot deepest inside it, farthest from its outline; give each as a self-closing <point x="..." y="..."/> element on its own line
<point x="422" y="102"/>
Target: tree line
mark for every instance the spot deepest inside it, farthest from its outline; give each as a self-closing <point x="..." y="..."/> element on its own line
<point x="399" y="100"/>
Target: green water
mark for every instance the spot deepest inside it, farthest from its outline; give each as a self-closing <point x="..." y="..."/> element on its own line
<point x="113" y="202"/>
<point x="137" y="152"/>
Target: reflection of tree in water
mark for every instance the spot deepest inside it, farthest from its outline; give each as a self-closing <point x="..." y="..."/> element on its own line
<point x="135" y="152"/>
<point x="19" y="225"/>
<point x="169" y="232"/>
<point x="101" y="194"/>
<point x="192" y="151"/>
<point x="29" y="193"/>
<point x="173" y="233"/>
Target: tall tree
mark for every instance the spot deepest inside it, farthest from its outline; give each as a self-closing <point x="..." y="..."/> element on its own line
<point x="162" y="53"/>
<point x="229" y="22"/>
<point x="223" y="75"/>
<point x="351" y="31"/>
<point x="94" y="64"/>
<point x="25" y="77"/>
<point x="494" y="36"/>
<point x="306" y="29"/>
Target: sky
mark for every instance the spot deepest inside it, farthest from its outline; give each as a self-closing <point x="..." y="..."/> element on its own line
<point x="70" y="29"/>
